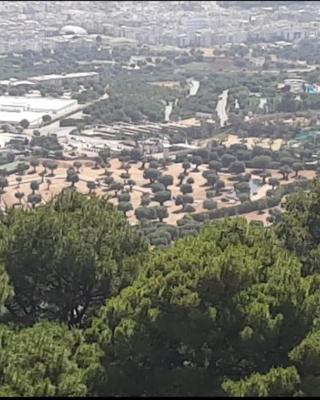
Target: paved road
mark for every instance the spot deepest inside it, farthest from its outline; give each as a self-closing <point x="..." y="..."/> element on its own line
<point x="168" y="111"/>
<point x="221" y="107"/>
<point x="194" y="87"/>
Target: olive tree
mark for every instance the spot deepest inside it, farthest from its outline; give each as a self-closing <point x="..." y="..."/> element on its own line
<point x="34" y="185"/>
<point x="297" y="166"/>
<point x="186" y="188"/>
<point x="124" y="197"/>
<point x="274" y="182"/>
<point x="186" y="165"/>
<point x="52" y="165"/>
<point x="125" y="206"/>
<point x="34" y="162"/>
<point x="237" y="167"/>
<point x="91" y="185"/>
<point x="184" y="200"/>
<point x="162" y="196"/>
<point x="152" y="174"/>
<point x="116" y="186"/>
<point x="197" y="160"/>
<point x="19" y="196"/>
<point x="144" y="213"/>
<point x="209" y="204"/>
<point x="166" y="180"/>
<point x="285" y="171"/>
<point x="77" y="165"/>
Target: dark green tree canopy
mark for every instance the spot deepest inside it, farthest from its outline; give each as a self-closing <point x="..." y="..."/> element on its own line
<point x="299" y="229"/>
<point x="66" y="257"/>
<point x="152" y="174"/>
<point x="208" y="310"/>
<point x="46" y="360"/>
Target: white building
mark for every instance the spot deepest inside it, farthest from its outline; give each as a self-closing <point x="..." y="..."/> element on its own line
<point x="296" y="84"/>
<point x="14" y="109"/>
<point x="57" y="79"/>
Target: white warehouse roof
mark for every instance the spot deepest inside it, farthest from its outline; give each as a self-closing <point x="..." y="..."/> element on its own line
<point x="37" y="104"/>
<point x="73" y="75"/>
<point x="34" y="118"/>
<point x="13" y="109"/>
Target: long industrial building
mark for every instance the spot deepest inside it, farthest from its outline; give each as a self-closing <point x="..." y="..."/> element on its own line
<point x="58" y="79"/>
<point x="14" y="109"/>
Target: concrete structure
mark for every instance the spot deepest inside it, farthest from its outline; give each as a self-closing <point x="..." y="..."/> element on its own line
<point x="296" y="84"/>
<point x="71" y="29"/>
<point x="55" y="79"/>
<point x="15" y="83"/>
<point x="14" y="109"/>
<point x="312" y="89"/>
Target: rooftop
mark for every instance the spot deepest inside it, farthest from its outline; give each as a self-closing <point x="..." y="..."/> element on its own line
<point x="73" y="29"/>
<point x="34" y="103"/>
<point x="13" y="109"/>
<point x="66" y="76"/>
<point x="16" y="117"/>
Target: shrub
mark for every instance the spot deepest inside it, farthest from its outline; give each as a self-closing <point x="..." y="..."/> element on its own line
<point x="157" y="187"/>
<point x="262" y="162"/>
<point x="210" y="194"/>
<point x="162" y="196"/>
<point x="237" y="167"/>
<point x="209" y="204"/>
<point x="123" y="197"/>
<point x="186" y="188"/>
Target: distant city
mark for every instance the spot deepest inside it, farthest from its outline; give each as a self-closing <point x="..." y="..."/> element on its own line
<point x="33" y="25"/>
